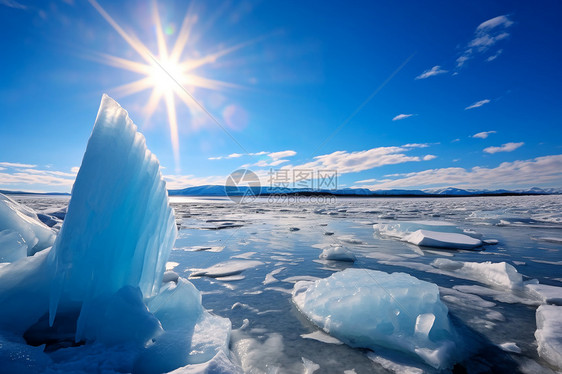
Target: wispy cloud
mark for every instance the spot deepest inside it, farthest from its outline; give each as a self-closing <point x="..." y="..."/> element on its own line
<point x="429" y="157"/>
<point x="232" y="155"/>
<point x="277" y="155"/>
<point x="402" y="116"/>
<point x="276" y="159"/>
<point x="352" y="162"/>
<point x="36" y="177"/>
<point x="237" y="155"/>
<point x="507" y="147"/>
<point x="483" y="134"/>
<point x="436" y="70"/>
<point x="477" y="104"/>
<point x="416" y="145"/>
<point x="182" y="181"/>
<point x="487" y="34"/>
<point x="494" y="56"/>
<point x="13" y="4"/>
<point x="526" y="173"/>
<point x="16" y="165"/>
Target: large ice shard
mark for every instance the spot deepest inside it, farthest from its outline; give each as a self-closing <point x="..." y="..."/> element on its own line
<point x="372" y="309"/>
<point x="119" y="228"/>
<point x="101" y="285"/>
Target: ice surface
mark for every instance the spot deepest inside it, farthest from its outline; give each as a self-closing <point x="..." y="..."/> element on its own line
<point x="439" y="234"/>
<point x="370" y="309"/>
<point x="337" y="253"/>
<point x="101" y="282"/>
<point x="549" y="334"/>
<point x="21" y="231"/>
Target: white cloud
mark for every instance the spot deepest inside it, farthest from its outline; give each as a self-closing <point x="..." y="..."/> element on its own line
<point x="415" y="145"/>
<point x="483" y="134"/>
<point x="232" y="155"/>
<point x="495" y="22"/>
<point x="429" y="157"/>
<point x="75" y="169"/>
<point x="237" y="155"/>
<point x="16" y="165"/>
<point x="182" y="181"/>
<point x="278" y="155"/>
<point x="455" y="140"/>
<point x="402" y="116"/>
<point x="278" y="162"/>
<point x="352" y="162"/>
<point x="494" y="56"/>
<point x="436" y="70"/>
<point x="37" y="177"/>
<point x="487" y="34"/>
<point x="526" y="173"/>
<point x="507" y="147"/>
<point x="366" y="181"/>
<point x="477" y="104"/>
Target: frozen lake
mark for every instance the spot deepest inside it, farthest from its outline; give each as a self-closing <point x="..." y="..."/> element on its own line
<point x="262" y="248"/>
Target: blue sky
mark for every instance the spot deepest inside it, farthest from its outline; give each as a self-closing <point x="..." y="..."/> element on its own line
<point x="403" y="94"/>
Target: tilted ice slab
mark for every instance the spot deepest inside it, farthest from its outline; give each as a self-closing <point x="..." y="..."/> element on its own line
<point x="499" y="274"/>
<point x="439" y="234"/>
<point x="549" y="334"/>
<point x="21" y="232"/>
<point x="436" y="239"/>
<point x="106" y="269"/>
<point x="373" y="309"/>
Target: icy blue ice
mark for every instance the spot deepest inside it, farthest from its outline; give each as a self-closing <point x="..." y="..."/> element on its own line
<point x="102" y="281"/>
<point x="119" y="228"/>
<point x="373" y="309"/>
<point x="21" y="232"/>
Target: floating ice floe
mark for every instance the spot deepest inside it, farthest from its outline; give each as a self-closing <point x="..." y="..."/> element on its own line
<point x="101" y="284"/>
<point x="499" y="274"/>
<point x="373" y="309"/>
<point x="549" y="334"/>
<point x="439" y="234"/>
<point x="21" y="232"/>
<point x="337" y="253"/>
<point x="227" y="268"/>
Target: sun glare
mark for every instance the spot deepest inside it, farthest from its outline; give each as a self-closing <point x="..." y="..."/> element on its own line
<point x="166" y="73"/>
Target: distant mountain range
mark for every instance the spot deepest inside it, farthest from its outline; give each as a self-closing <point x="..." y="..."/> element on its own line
<point x="219" y="190"/>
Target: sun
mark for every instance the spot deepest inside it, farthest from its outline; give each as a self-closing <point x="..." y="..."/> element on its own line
<point x="165" y="73"/>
